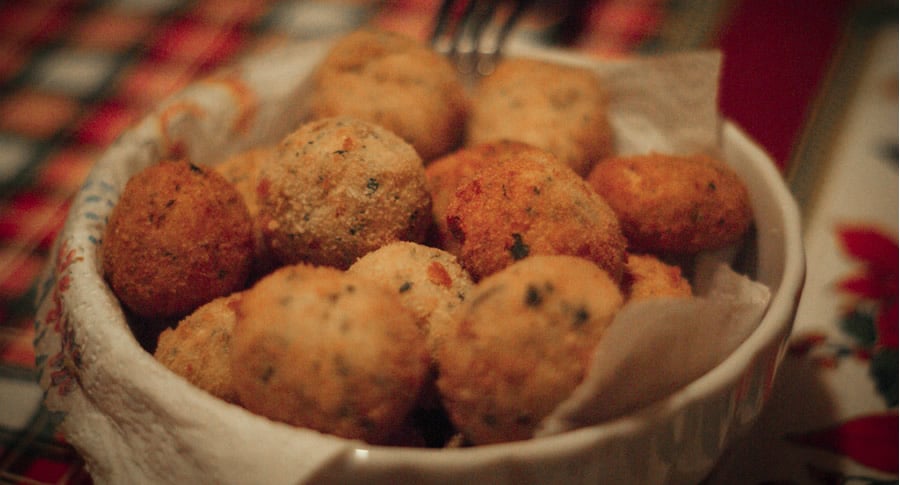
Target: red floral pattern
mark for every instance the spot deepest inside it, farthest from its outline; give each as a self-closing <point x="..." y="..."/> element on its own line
<point x="871" y="321"/>
<point x="63" y="365"/>
<point x="870" y="440"/>
<point x="878" y="279"/>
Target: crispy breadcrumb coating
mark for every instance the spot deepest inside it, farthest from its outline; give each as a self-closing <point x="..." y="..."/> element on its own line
<point x="430" y="281"/>
<point x="199" y="348"/>
<point x="520" y="207"/>
<point x="561" y="109"/>
<point x="445" y="174"/>
<point x="338" y="188"/>
<point x="397" y="82"/>
<point x="242" y="170"/>
<point x="646" y="276"/>
<point x="674" y="204"/>
<point x="521" y="344"/>
<point x="323" y="349"/>
<point x="179" y="236"/>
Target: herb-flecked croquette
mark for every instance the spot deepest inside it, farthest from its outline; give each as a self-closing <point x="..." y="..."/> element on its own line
<point x="179" y="236"/>
<point x="445" y="174"/>
<point x="521" y="343"/>
<point x="559" y="108"/>
<point x="324" y="349"/>
<point x="199" y="347"/>
<point x="647" y="276"/>
<point x="521" y="206"/>
<point x="242" y="170"/>
<point x="673" y="204"/>
<point x="429" y="281"/>
<point x="397" y="82"/>
<point x="338" y="188"/>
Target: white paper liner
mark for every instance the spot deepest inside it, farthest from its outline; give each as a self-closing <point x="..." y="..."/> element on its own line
<point x="656" y="346"/>
<point x="667" y="103"/>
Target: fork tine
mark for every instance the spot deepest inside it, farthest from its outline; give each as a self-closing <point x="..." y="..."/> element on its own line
<point x="468" y="36"/>
<point x="488" y="55"/>
<point x="518" y="11"/>
<point x="440" y="26"/>
<point x="474" y="38"/>
<point x="453" y="16"/>
<point x="477" y="16"/>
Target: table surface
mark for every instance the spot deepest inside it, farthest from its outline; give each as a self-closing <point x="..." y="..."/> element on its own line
<point x="816" y="83"/>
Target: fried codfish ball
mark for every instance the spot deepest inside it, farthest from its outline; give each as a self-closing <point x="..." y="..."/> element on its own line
<point x="199" y="348"/>
<point x="519" y="207"/>
<point x="323" y="349"/>
<point x="521" y="343"/>
<point x="646" y="276"/>
<point x="562" y="109"/>
<point x="179" y="236"/>
<point x="242" y="170"/>
<point x="432" y="284"/>
<point x="674" y="204"/>
<point x="430" y="281"/>
<point x="339" y="188"/>
<point x="443" y="176"/>
<point x="397" y="82"/>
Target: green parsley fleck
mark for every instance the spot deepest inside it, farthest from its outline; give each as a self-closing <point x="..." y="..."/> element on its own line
<point x="372" y="185"/>
<point x="519" y="250"/>
<point x="533" y="297"/>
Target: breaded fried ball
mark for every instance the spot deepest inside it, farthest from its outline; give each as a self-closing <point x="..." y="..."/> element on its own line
<point x="179" y="236"/>
<point x="242" y="170"/>
<point x="674" y="204"/>
<point x="397" y="82"/>
<point x="339" y="188"/>
<point x="199" y="348"/>
<point x="562" y="109"/>
<point x="430" y="281"/>
<point x="521" y="343"/>
<point x="323" y="349"/>
<point x="444" y="175"/>
<point x="520" y="206"/>
<point x="646" y="276"/>
<point x="432" y="284"/>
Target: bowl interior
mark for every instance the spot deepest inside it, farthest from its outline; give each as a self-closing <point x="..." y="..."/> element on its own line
<point x="773" y="256"/>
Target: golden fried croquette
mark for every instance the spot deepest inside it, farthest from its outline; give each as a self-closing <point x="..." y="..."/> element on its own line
<point x="521" y="343"/>
<point x="199" y="348"/>
<point x="430" y="281"/>
<point x="444" y="175"/>
<point x="646" y="276"/>
<point x="324" y="349"/>
<point x="432" y="284"/>
<point x="520" y="206"/>
<point x="562" y="109"/>
<point x="179" y="236"/>
<point x="242" y="170"/>
<point x="674" y="204"/>
<point x="338" y="188"/>
<point x="397" y="82"/>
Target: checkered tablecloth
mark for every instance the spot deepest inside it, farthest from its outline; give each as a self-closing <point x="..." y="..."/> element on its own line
<point x="75" y="73"/>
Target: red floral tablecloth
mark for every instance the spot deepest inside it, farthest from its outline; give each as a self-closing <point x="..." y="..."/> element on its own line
<point x="814" y="82"/>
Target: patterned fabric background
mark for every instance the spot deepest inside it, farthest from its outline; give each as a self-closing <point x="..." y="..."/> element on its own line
<point x="806" y="79"/>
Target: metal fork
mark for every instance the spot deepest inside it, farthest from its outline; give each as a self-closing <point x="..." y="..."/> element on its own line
<point x="472" y="33"/>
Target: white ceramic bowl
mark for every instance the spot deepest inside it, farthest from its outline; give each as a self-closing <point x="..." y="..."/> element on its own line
<point x="135" y="422"/>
